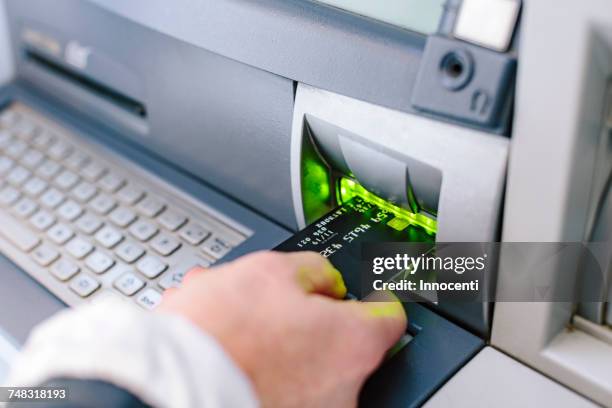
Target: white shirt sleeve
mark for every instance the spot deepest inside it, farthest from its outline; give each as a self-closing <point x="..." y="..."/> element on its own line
<point x="162" y="359"/>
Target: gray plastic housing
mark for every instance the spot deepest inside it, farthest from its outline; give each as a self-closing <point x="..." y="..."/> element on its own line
<point x="457" y="171"/>
<point x="216" y="78"/>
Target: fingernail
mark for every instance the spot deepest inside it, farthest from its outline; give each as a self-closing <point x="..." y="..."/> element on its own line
<point x="339" y="285"/>
<point x="386" y="309"/>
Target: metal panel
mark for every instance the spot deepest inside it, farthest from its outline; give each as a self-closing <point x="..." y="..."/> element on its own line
<point x="6" y="58"/>
<point x="565" y="61"/>
<point x="492" y="379"/>
<point x="223" y="121"/>
<point x="306" y="41"/>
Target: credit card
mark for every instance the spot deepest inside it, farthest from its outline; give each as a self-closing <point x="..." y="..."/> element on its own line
<point x="340" y="234"/>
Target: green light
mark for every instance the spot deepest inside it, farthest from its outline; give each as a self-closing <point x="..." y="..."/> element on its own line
<point x="347" y="189"/>
<point x="316" y="180"/>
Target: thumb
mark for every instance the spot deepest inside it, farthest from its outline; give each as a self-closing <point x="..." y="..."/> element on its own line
<point x="382" y="315"/>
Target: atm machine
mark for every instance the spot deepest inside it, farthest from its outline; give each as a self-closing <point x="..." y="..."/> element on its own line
<point x="140" y="138"/>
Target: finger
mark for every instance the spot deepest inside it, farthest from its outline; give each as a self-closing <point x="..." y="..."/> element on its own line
<point x="315" y="274"/>
<point x="193" y="272"/>
<point x="381" y="315"/>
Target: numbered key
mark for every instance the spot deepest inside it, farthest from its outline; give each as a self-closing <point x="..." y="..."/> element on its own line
<point x="111" y="182"/>
<point x="79" y="248"/>
<point x="99" y="262"/>
<point x="149" y="299"/>
<point x="60" y="233"/>
<point x="194" y="233"/>
<point x="172" y="220"/>
<point x="122" y="217"/>
<point x="48" y="169"/>
<point x="64" y="269"/>
<point x="151" y="207"/>
<point x="165" y="244"/>
<point x="108" y="237"/>
<point x="25" y="207"/>
<point x="89" y="224"/>
<point x="70" y="210"/>
<point x="143" y="230"/>
<point x="59" y="150"/>
<point x="216" y="247"/>
<point x="9" y="195"/>
<point x="151" y="266"/>
<point x="84" y="192"/>
<point x="44" y="255"/>
<point x="129" y="284"/>
<point x="42" y="220"/>
<point x="84" y="285"/>
<point x="130" y="194"/>
<point x="32" y="158"/>
<point x="129" y="251"/>
<point x="93" y="171"/>
<point x="66" y="180"/>
<point x="34" y="187"/>
<point x="103" y="204"/>
<point x="52" y="198"/>
<point x="18" y="176"/>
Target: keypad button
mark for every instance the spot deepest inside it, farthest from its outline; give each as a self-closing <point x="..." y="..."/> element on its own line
<point x="149" y="299"/>
<point x="64" y="269"/>
<point x="151" y="207"/>
<point x="93" y="171"/>
<point x="16" y="149"/>
<point x="165" y="244"/>
<point x="32" y="158"/>
<point x="8" y="118"/>
<point x="129" y="284"/>
<point x="79" y="248"/>
<point x="151" y="266"/>
<point x="130" y="194"/>
<point x="84" y="285"/>
<point x="76" y="160"/>
<point x="44" y="255"/>
<point x="89" y="224"/>
<point x="48" y="169"/>
<point x="216" y="247"/>
<point x="59" y="150"/>
<point x="194" y="233"/>
<point x="122" y="217"/>
<point x="5" y="165"/>
<point x="42" y="220"/>
<point x="25" y="207"/>
<point x="66" y="180"/>
<point x="25" y="130"/>
<point x="8" y="195"/>
<point x="84" y="192"/>
<point x="18" y="176"/>
<point x="70" y="210"/>
<point x="42" y="139"/>
<point x="143" y="230"/>
<point x="34" y="187"/>
<point x="99" y="262"/>
<point x="172" y="279"/>
<point x="5" y="139"/>
<point x="129" y="252"/>
<point x="111" y="182"/>
<point x="60" y="233"/>
<point x="103" y="204"/>
<point x="52" y="198"/>
<point x="108" y="237"/>
<point x="172" y="220"/>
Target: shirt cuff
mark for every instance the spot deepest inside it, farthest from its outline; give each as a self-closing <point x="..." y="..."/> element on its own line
<point x="162" y="359"/>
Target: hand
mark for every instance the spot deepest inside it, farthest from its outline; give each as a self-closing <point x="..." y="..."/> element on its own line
<point x="282" y="320"/>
